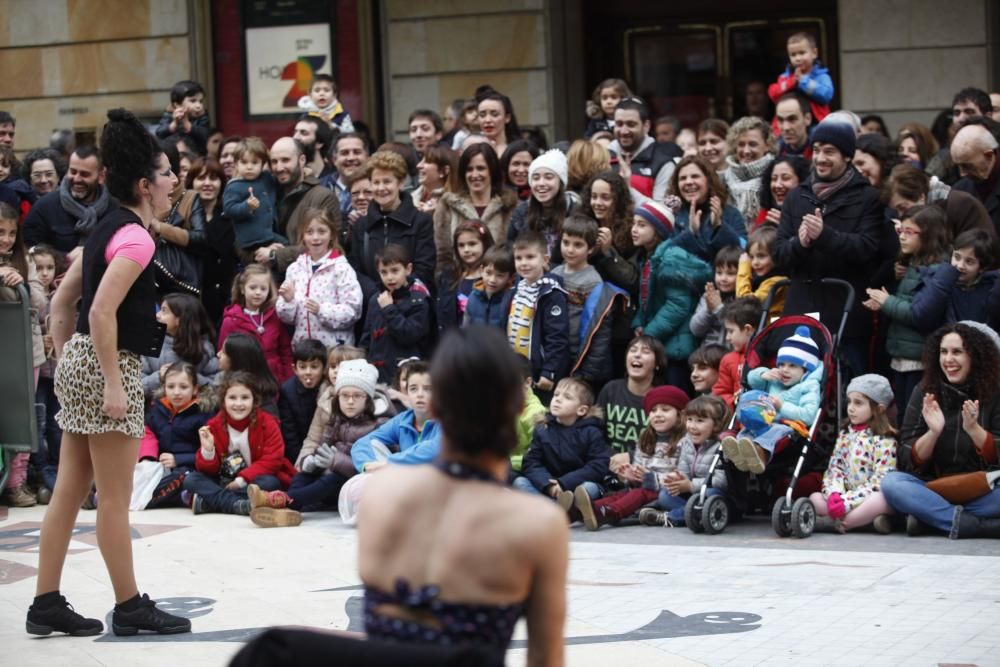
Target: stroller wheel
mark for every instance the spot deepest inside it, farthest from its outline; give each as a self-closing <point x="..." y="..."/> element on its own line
<point x="781" y="518"/>
<point x="803" y="518"/>
<point x="693" y="515"/>
<point x="714" y="515"/>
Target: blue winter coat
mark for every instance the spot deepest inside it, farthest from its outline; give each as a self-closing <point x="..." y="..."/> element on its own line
<point x="571" y="455"/>
<point x="948" y="302"/>
<point x="676" y="279"/>
<point x="550" y="331"/>
<point x="400" y="330"/>
<point x="177" y="434"/>
<point x="800" y="402"/>
<point x="296" y="406"/>
<point x="409" y="446"/>
<point x="710" y="239"/>
<point x="594" y="362"/>
<point x="485" y="309"/>
<point x="253" y="229"/>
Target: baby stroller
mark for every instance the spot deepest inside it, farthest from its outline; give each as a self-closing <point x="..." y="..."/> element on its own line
<point x="792" y="513"/>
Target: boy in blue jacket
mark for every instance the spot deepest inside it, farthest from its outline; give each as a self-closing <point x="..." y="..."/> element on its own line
<point x="569" y="450"/>
<point x="486" y="302"/>
<point x="537" y="317"/>
<point x="806" y="75"/>
<point x="795" y="395"/>
<point x="250" y="199"/>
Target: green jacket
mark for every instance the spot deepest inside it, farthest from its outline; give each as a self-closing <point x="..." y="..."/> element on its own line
<point x="904" y="340"/>
<point x="676" y="280"/>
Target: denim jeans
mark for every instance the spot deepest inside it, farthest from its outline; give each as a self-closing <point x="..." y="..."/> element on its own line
<point x="220" y="499"/>
<point x="522" y="483"/>
<point x="908" y="494"/>
<point x="46" y="459"/>
<point x="310" y="492"/>
<point x="674" y="505"/>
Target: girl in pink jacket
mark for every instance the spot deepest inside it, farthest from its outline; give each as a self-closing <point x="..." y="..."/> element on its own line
<point x="253" y="313"/>
<point x="321" y="294"/>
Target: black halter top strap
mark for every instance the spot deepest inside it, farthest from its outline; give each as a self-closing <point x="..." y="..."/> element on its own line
<point x="464" y="471"/>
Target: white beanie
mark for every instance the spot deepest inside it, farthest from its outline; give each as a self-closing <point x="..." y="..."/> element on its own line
<point x="356" y="373"/>
<point x="555" y="161"/>
<point x="800" y="349"/>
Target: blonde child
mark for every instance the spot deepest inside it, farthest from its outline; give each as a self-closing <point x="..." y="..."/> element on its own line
<point x="253" y="312"/>
<point x="469" y="244"/>
<point x="656" y="456"/>
<point x="16" y="270"/>
<point x="601" y="106"/>
<point x="865" y="452"/>
<point x="704" y="419"/>
<point x="756" y="274"/>
<point x="250" y="199"/>
<point x="322" y="102"/>
<point x="321" y="295"/>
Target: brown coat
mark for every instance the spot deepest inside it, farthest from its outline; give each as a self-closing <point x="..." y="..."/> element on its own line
<point x="454" y="209"/>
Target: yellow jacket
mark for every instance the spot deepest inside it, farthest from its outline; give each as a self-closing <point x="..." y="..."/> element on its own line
<point x="744" y="288"/>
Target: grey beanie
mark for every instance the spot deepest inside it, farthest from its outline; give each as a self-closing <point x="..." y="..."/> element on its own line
<point x="874" y="386"/>
<point x="984" y="329"/>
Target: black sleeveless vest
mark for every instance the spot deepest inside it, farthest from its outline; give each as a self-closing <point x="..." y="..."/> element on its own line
<point x="138" y="330"/>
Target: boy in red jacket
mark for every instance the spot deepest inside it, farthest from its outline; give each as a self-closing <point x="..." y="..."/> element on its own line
<point x="740" y="318"/>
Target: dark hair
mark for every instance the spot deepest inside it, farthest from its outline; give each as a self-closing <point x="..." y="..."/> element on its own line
<point x="309" y="349"/>
<point x="181" y="367"/>
<point x="927" y="145"/>
<point x="513" y="148"/>
<point x="328" y="79"/>
<point x="58" y="162"/>
<point x="392" y="253"/>
<point x="405" y="151"/>
<point x="430" y="115"/>
<point x="492" y="165"/>
<point x="709" y="406"/>
<point x="649" y="436"/>
<point x="877" y="119"/>
<point x="978" y="97"/>
<point x="659" y="355"/>
<point x="708" y="354"/>
<point x="240" y="283"/>
<point x="798" y="97"/>
<point x="350" y="135"/>
<point x="941" y="127"/>
<point x="672" y="121"/>
<point x="906" y="181"/>
<point x="718" y="127"/>
<point x="934" y="235"/>
<point x="208" y="166"/>
<point x="416" y="367"/>
<point x="524" y="366"/>
<point x="530" y="238"/>
<point x="482" y="232"/>
<point x="248" y="380"/>
<point x="634" y="104"/>
<point x="58" y="258"/>
<point x="183" y="89"/>
<point x="547" y="218"/>
<point x="478" y="392"/>
<point x="716" y="187"/>
<point x="247" y="357"/>
<point x="798" y="165"/>
<point x="193" y="327"/>
<point x="129" y="153"/>
<point x="324" y="135"/>
<point x="621" y="214"/>
<point x="443" y="157"/>
<point x="6" y="118"/>
<point x="581" y="226"/>
<point x="742" y="311"/>
<point x="765" y="235"/>
<point x="882" y="149"/>
<point x="618" y="84"/>
<point x="87" y="151"/>
<point x="983" y="245"/>
<point x="984" y="363"/>
<point x="728" y="256"/>
<point x="802" y="37"/>
<point x="500" y="258"/>
<point x="19" y="256"/>
<point x="512" y="131"/>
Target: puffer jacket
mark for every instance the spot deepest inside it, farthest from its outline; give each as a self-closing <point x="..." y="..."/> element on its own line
<point x="341" y="433"/>
<point x="321" y="419"/>
<point x="455" y="208"/>
<point x="948" y="301"/>
<point x="676" y="278"/>
<point x="593" y="362"/>
<point x="275" y="340"/>
<point x="398" y="331"/>
<point x="695" y="460"/>
<point x="335" y="285"/>
<point x="571" y="455"/>
<point x="174" y="431"/>
<point x="800" y="402"/>
<point x="904" y="340"/>
<point x="858" y="465"/>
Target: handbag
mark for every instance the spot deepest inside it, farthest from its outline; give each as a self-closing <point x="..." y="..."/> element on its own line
<point x="175" y="268"/>
<point x="961" y="488"/>
<point x="232" y="465"/>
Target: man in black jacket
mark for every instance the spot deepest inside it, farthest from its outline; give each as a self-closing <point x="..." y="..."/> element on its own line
<point x="831" y="226"/>
<point x="975" y="151"/>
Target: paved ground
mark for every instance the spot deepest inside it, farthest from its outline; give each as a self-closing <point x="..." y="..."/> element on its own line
<point x="649" y="596"/>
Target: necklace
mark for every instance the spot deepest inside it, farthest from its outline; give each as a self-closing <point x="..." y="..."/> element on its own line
<point x="259" y="325"/>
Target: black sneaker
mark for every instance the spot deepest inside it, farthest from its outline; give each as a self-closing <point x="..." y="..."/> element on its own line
<point x="146" y="616"/>
<point x="198" y="504"/>
<point x="60" y="617"/>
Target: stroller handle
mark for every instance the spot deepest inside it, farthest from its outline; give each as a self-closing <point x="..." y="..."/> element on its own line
<point x="848" y="304"/>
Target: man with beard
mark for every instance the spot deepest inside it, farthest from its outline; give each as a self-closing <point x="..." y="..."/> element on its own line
<point x="644" y="164"/>
<point x="831" y="227"/>
<point x="794" y="118"/>
<point x="65" y="217"/>
<point x="315" y="136"/>
<point x="299" y="193"/>
<point x="349" y="157"/>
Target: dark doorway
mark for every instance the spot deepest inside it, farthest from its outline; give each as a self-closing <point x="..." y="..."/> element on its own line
<point x="697" y="61"/>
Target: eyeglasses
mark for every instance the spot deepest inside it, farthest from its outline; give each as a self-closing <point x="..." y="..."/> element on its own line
<point x="362" y="193"/>
<point x="352" y="397"/>
<point x="905" y="231"/>
<point x="39" y="175"/>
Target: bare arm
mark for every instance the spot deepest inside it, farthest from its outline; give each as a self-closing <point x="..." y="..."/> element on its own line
<point x="546" y="609"/>
<point x="62" y="312"/>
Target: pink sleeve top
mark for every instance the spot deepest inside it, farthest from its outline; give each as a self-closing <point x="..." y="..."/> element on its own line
<point x="131" y="242"/>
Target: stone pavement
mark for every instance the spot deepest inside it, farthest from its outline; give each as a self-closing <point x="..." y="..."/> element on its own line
<point x="649" y="596"/>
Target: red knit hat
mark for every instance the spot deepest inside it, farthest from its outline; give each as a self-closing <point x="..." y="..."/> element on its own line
<point x="668" y="394"/>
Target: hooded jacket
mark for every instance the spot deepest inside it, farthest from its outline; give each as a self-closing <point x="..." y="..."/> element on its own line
<point x="594" y="362"/>
<point x="549" y="351"/>
<point x="335" y="285"/>
<point x="170" y="431"/>
<point x="801" y="401"/>
<point x="571" y="455"/>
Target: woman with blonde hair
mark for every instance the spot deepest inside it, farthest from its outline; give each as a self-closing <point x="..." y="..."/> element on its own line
<point x="751" y="151"/>
<point x="585" y="159"/>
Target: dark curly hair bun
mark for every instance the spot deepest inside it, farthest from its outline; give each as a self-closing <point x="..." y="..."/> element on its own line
<point x="129" y="153"/>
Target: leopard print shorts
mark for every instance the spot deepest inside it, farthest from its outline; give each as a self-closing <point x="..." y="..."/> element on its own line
<point x="79" y="386"/>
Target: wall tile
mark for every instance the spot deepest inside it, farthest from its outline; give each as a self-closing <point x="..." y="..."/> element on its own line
<point x="888" y="24"/>
<point x="133" y="18"/>
<point x="33" y="22"/>
<point x="21" y="75"/>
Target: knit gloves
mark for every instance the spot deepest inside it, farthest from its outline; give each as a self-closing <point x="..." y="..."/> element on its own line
<point x="319" y="460"/>
<point x="835" y="505"/>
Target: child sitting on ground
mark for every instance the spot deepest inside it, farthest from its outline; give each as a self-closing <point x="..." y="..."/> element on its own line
<point x="489" y="294"/>
<point x="865" y="452"/>
<point x="806" y="75"/>
<point x="656" y="456"/>
<point x="757" y="274"/>
<point x="794" y="393"/>
<point x="705" y="323"/>
<point x="325" y="469"/>
<point x="299" y="394"/>
<point x="249" y="201"/>
<point x="322" y="102"/>
<point x="570" y="450"/>
<point x="704" y="363"/>
<point x="531" y="417"/>
<point x="239" y="446"/>
<point x="740" y="318"/>
<point x="324" y="401"/>
<point x="704" y="419"/>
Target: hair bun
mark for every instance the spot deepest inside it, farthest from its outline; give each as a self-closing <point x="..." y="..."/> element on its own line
<point x="120" y="115"/>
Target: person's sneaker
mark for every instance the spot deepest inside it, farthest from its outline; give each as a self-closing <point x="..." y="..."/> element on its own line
<point x="585" y="506"/>
<point x="44" y="495"/>
<point x="650" y="516"/>
<point x="914" y="526"/>
<point x="60" y="617"/>
<point x="198" y="504"/>
<point x="241" y="508"/>
<point x="20" y="497"/>
<point x="754" y="458"/>
<point x="565" y="500"/>
<point x="882" y="524"/>
<point x="731" y="450"/>
<point x="269" y="517"/>
<point x="260" y="498"/>
<point x="145" y="616"/>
